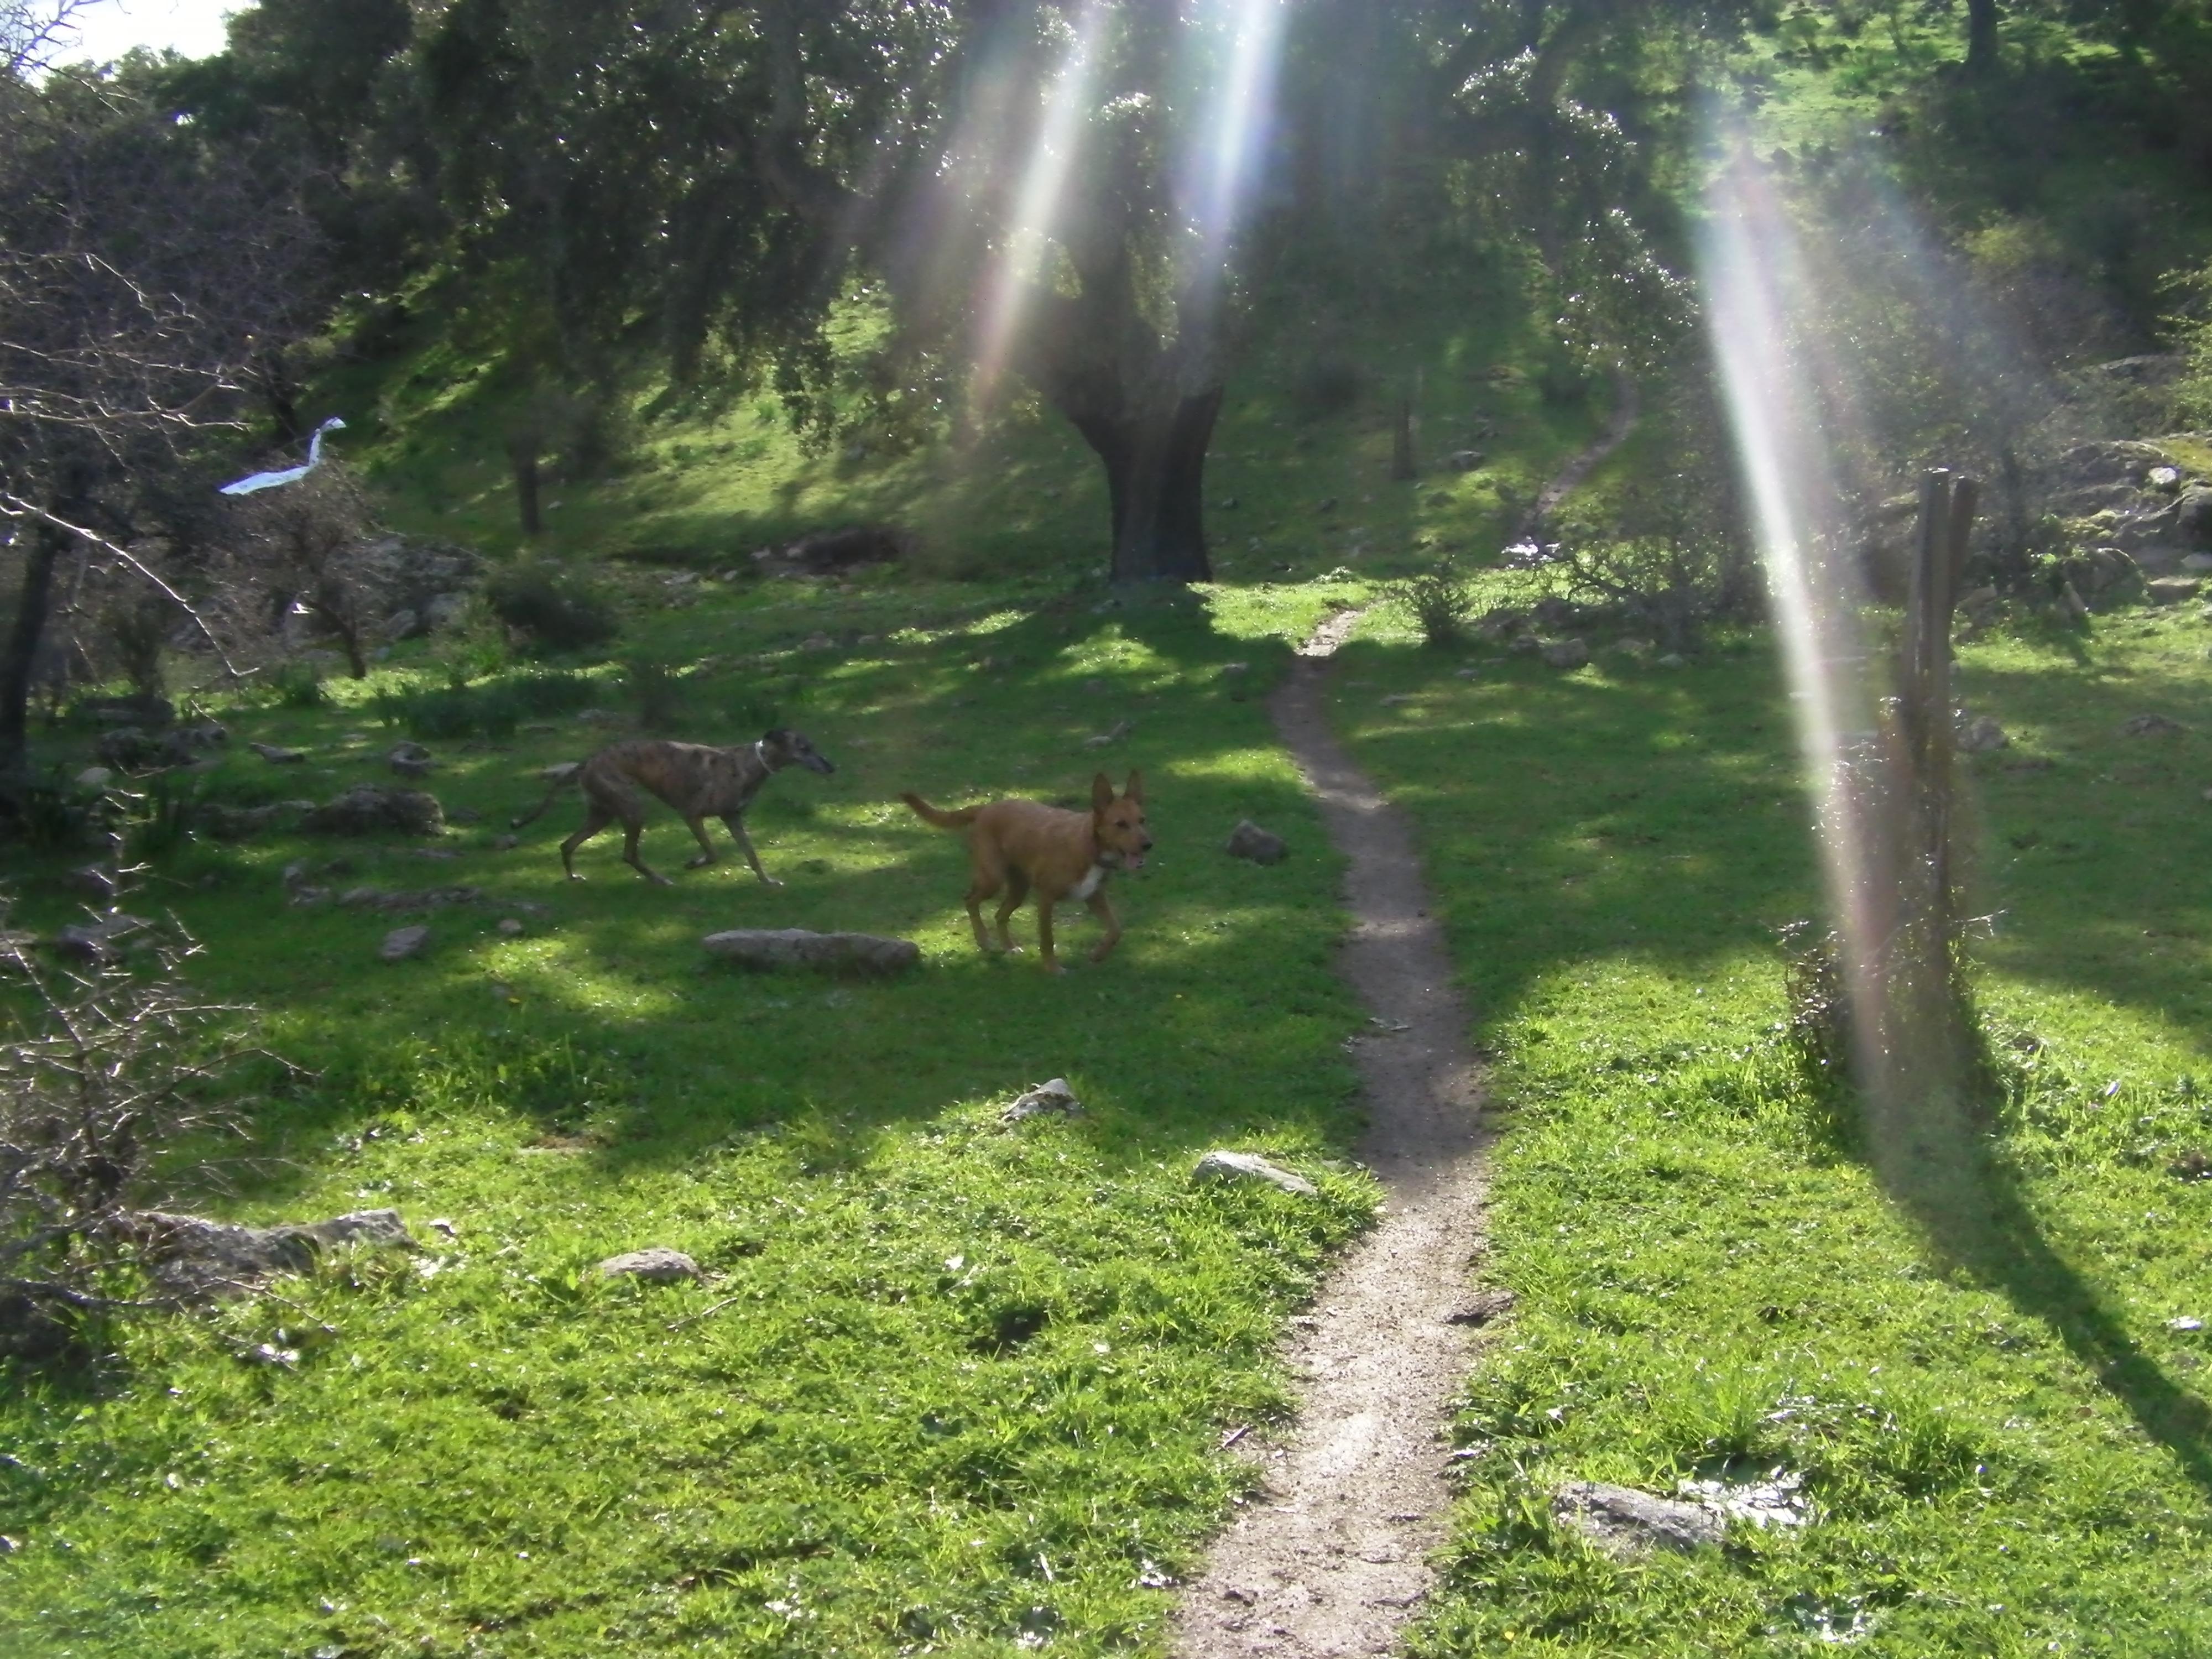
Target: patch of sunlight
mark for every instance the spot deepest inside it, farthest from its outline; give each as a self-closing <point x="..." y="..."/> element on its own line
<point x="1253" y="763"/>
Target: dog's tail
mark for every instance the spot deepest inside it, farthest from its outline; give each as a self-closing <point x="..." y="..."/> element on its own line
<point x="938" y="816"/>
<point x="563" y="777"/>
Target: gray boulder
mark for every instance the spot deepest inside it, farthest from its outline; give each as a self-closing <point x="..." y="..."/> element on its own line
<point x="1248" y="841"/>
<point x="1980" y="735"/>
<point x="409" y="760"/>
<point x="1052" y="1096"/>
<point x="2171" y="589"/>
<point x="277" y="756"/>
<point x="402" y="943"/>
<point x="191" y="1257"/>
<point x="367" y="810"/>
<point x="1566" y="654"/>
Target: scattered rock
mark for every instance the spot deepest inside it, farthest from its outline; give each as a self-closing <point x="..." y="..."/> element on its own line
<point x="93" y="777"/>
<point x="796" y="947"/>
<point x="464" y="815"/>
<point x="1053" y="1096"/>
<point x="1248" y="841"/>
<point x="409" y="760"/>
<point x="2198" y="563"/>
<point x="150" y="712"/>
<point x="1980" y="734"/>
<point x="1481" y="1308"/>
<point x="191" y="1257"/>
<point x="95" y="941"/>
<point x="368" y="808"/>
<point x="95" y="883"/>
<point x="505" y="843"/>
<point x="818" y="642"/>
<point x="1106" y="739"/>
<point x="1221" y="1165"/>
<point x="509" y="928"/>
<point x="2165" y="479"/>
<point x="133" y="749"/>
<point x="428" y="898"/>
<point x="1566" y="654"/>
<point x="402" y="625"/>
<point x="1464" y="460"/>
<point x="1623" y="1521"/>
<point x="1777" y="1501"/>
<point x="595" y="717"/>
<point x="2150" y="725"/>
<point x="401" y="943"/>
<point x="656" y="1265"/>
<point x="278" y="757"/>
<point x="442" y="610"/>
<point x="2171" y="589"/>
<point x="1674" y="659"/>
<point x="1635" y="650"/>
<point x="1328" y="504"/>
<point x="240" y="822"/>
<point x="827" y="552"/>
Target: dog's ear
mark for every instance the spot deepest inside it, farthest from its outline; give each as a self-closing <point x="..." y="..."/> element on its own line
<point x="1102" y="793"/>
<point x="1135" y="791"/>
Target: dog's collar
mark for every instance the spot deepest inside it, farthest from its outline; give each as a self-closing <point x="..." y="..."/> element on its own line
<point x="760" y="755"/>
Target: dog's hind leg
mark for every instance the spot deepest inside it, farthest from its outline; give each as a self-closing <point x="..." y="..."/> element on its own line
<point x="735" y="825"/>
<point x="1104" y="912"/>
<point x="1018" y="889"/>
<point x="706" y="853"/>
<point x="988" y="877"/>
<point x="632" y="829"/>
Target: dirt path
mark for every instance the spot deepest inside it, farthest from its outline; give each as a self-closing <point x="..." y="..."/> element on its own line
<point x="1330" y="1556"/>
<point x="1628" y="405"/>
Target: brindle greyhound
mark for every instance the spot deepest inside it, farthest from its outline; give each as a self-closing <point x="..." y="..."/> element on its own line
<point x="700" y="781"/>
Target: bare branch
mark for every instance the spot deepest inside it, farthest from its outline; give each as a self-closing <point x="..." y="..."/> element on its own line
<point x="14" y="506"/>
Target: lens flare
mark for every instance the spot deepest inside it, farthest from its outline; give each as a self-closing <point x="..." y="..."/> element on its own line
<point x="1756" y="282"/>
<point x="1038" y="202"/>
<point x="1233" y="134"/>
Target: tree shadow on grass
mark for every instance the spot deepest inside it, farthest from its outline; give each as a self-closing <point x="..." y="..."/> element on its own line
<point x="1974" y="1216"/>
<point x="1564" y="819"/>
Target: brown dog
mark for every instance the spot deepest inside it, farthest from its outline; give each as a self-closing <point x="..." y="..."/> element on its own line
<point x="700" y="781"/>
<point x="1019" y="845"/>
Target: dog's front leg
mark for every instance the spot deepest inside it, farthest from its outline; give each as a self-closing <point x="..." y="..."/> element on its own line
<point x="1104" y="912"/>
<point x="735" y="825"/>
<point x="1050" y="964"/>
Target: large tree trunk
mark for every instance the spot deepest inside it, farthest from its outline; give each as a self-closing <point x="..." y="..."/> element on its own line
<point x="22" y="651"/>
<point x="1981" y="36"/>
<point x="1155" y="464"/>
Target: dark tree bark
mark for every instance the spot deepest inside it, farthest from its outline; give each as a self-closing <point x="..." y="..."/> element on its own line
<point x="1404" y="466"/>
<point x="22" y="651"/>
<point x="1155" y="462"/>
<point x="525" y="462"/>
<point x="1981" y="36"/>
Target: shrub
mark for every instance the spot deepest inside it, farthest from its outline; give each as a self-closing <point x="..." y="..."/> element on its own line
<point x="109" y="1068"/>
<point x="300" y="685"/>
<point x="1441" y="600"/>
<point x="554" y="610"/>
<point x="657" y="691"/>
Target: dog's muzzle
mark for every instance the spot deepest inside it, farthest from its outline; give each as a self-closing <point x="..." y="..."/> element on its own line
<point x="818" y="763"/>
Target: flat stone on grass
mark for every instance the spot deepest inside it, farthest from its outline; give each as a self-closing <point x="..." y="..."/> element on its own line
<point x="796" y="947"/>
<point x="656" y="1265"/>
<point x="1248" y="841"/>
<point x="1220" y="1165"/>
<point x="1623" y="1520"/>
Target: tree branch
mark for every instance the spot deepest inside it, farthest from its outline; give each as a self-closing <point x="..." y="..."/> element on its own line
<point x="14" y="506"/>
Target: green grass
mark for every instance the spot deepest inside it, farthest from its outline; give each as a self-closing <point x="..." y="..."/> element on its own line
<point x="2007" y="1447"/>
<point x="948" y="1383"/>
